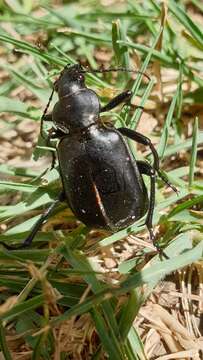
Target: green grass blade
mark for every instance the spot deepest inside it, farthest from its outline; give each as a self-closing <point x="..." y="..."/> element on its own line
<point x="195" y="30"/>
<point x="3" y="344"/>
<point x="125" y="113"/>
<point x="157" y="271"/>
<point x="193" y="153"/>
<point x="136" y="344"/>
<point x="25" y="306"/>
<point x="138" y="112"/>
<point x="80" y="262"/>
<point x="165" y="133"/>
<point x="128" y="313"/>
<point x="113" y="351"/>
<point x="183" y="145"/>
<point x="121" y="52"/>
<point x="185" y="205"/>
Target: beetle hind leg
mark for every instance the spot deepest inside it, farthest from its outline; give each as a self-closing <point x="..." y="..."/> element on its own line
<point x="167" y="182"/>
<point x="147" y="169"/>
<point x="142" y="139"/>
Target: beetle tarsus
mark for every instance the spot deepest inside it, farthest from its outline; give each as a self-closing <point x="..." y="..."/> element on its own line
<point x="37" y="225"/>
<point x="147" y="169"/>
<point x="167" y="182"/>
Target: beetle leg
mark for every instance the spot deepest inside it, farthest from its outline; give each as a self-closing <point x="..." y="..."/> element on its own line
<point x="53" y="134"/>
<point x="37" y="225"/>
<point x="142" y="139"/>
<point x="124" y="96"/>
<point x="47" y="117"/>
<point x="147" y="169"/>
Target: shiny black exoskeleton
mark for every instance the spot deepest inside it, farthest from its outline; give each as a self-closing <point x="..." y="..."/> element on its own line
<point x="102" y="182"/>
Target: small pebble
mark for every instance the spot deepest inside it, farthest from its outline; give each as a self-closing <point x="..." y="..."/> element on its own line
<point x="10" y="134"/>
<point x="110" y="263"/>
<point x="26" y="126"/>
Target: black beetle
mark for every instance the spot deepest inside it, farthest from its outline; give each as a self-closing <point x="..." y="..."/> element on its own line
<point x="102" y="182"/>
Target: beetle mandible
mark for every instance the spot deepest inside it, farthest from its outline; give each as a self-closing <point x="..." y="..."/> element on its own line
<point x="102" y="182"/>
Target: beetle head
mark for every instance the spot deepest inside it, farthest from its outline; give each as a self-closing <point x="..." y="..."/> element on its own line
<point x="70" y="80"/>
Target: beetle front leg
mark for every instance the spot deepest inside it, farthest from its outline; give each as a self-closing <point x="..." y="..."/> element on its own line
<point x="147" y="169"/>
<point x="37" y="225"/>
<point x="142" y="139"/>
<point x="124" y="96"/>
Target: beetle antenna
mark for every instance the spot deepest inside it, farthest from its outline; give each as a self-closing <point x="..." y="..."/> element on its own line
<point x="45" y="112"/>
<point x="49" y="101"/>
<point x="117" y="69"/>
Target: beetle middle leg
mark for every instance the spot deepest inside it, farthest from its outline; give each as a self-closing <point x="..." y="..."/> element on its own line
<point x="142" y="139"/>
<point x="147" y="169"/>
<point x="48" y="117"/>
<point x="53" y="134"/>
<point x="37" y="226"/>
